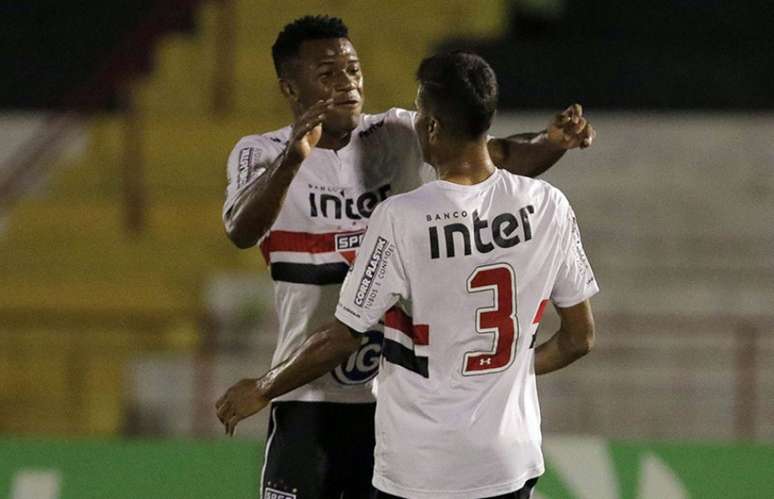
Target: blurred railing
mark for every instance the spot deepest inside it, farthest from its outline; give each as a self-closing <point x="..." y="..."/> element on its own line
<point x="648" y="377"/>
<point x="672" y="377"/>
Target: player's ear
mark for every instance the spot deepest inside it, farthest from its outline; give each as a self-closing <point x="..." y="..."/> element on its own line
<point x="433" y="130"/>
<point x="288" y="89"/>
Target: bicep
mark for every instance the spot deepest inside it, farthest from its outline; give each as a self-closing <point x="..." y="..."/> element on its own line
<point x="577" y="320"/>
<point x="248" y="161"/>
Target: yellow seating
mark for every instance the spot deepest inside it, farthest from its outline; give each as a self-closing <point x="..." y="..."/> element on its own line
<point x="66" y="254"/>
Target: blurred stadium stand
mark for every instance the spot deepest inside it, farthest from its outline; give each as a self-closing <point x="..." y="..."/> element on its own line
<point x="108" y="259"/>
<point x="111" y="250"/>
<point x="67" y="57"/>
<point x="124" y="310"/>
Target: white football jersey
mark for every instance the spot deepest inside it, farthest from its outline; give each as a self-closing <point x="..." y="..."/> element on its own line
<point x="461" y="275"/>
<point x="320" y="226"/>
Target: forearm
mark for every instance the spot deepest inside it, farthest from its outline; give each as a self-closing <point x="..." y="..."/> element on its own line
<point x="526" y="154"/>
<point x="257" y="207"/>
<point x="320" y="353"/>
<point x="559" y="351"/>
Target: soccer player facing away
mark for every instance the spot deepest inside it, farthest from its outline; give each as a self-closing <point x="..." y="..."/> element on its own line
<point x="305" y="193"/>
<point x="458" y="271"/>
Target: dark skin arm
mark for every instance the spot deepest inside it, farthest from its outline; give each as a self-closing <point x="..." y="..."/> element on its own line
<point x="573" y="340"/>
<point x="333" y="343"/>
<point x="531" y="154"/>
<point x="328" y="347"/>
<point x="528" y="154"/>
<point x="257" y="207"/>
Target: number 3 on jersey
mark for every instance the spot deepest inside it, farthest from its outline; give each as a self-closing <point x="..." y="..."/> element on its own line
<point x="499" y="319"/>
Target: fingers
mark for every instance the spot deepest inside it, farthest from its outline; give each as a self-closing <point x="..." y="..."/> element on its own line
<point x="224" y="407"/>
<point x="312" y="118"/>
<point x="302" y="127"/>
<point x="576" y="130"/>
<point x="225" y="411"/>
<point x="240" y="401"/>
<point x="230" y="426"/>
<point x="588" y="136"/>
<point x="575" y="112"/>
<point x="570" y="115"/>
<point x="562" y="119"/>
<point x="228" y="415"/>
<point x="318" y="109"/>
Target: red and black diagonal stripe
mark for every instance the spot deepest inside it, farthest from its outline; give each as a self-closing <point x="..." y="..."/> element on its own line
<point x="305" y="242"/>
<point x="395" y="352"/>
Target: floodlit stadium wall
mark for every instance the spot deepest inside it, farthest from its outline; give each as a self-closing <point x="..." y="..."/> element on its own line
<point x="104" y="334"/>
<point x="675" y="212"/>
<point x="577" y="468"/>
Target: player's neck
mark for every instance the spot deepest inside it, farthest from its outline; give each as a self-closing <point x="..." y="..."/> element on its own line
<point x="334" y="140"/>
<point x="465" y="164"/>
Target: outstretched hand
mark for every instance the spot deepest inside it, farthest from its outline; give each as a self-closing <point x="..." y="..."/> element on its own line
<point x="569" y="129"/>
<point x="239" y="402"/>
<point x="307" y="129"/>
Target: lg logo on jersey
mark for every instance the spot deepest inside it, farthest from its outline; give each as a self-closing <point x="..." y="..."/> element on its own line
<point x="338" y="206"/>
<point x="362" y="365"/>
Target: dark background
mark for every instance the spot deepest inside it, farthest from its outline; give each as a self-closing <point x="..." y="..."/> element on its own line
<point x="661" y="54"/>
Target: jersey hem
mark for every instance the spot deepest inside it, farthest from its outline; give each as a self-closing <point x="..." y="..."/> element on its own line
<point x="391" y="487"/>
<point x="331" y="399"/>
<point x="304" y="394"/>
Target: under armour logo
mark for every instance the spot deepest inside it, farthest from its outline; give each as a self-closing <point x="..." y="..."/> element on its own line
<point x="485" y="362"/>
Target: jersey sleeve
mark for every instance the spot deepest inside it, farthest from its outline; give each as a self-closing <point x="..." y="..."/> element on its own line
<point x="403" y="137"/>
<point x="377" y="279"/>
<point x="401" y="120"/>
<point x="247" y="162"/>
<point x="400" y="124"/>
<point x="575" y="281"/>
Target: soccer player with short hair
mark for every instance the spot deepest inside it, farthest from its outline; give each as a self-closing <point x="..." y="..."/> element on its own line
<point x="458" y="271"/>
<point x="305" y="193"/>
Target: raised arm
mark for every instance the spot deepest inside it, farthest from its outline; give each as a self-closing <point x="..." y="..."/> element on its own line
<point x="257" y="205"/>
<point x="531" y="154"/>
<point x="328" y="347"/>
<point x="573" y="340"/>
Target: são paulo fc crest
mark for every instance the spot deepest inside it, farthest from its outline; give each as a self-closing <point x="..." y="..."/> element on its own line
<point x="270" y="493"/>
<point x="362" y="365"/>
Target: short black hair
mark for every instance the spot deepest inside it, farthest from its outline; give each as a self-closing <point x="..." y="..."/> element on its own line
<point x="460" y="88"/>
<point x="302" y="29"/>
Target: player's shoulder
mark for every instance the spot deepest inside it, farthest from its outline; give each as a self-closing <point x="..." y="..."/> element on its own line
<point x="273" y="140"/>
<point x="394" y="114"/>
<point x="415" y="200"/>
<point x="396" y="205"/>
<point x="259" y="148"/>
<point x="535" y="188"/>
<point x="390" y="120"/>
